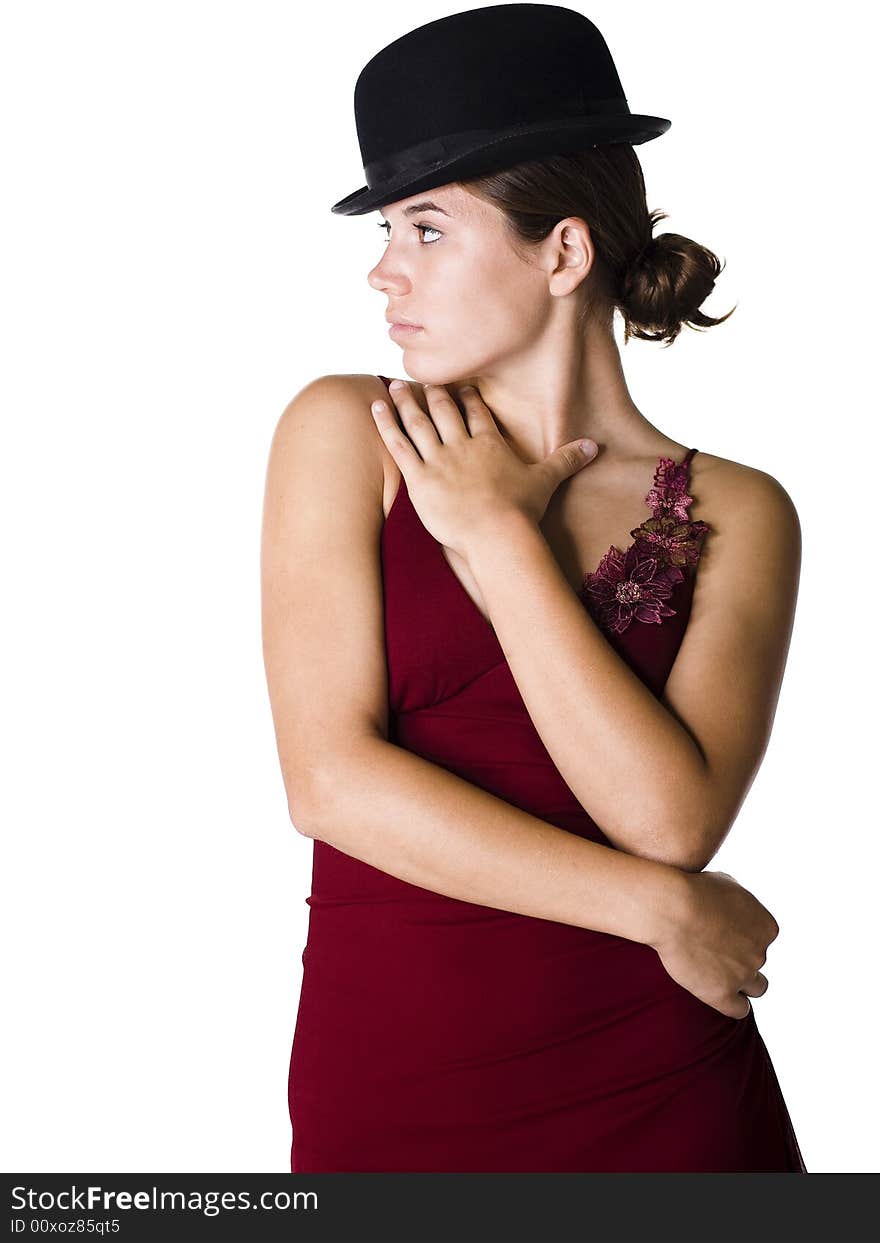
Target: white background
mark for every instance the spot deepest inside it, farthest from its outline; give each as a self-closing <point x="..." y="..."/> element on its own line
<point x="171" y="276"/>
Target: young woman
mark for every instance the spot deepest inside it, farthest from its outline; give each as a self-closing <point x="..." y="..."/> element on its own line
<point x="512" y="716"/>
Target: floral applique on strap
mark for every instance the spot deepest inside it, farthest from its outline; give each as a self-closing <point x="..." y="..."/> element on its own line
<point x="634" y="585"/>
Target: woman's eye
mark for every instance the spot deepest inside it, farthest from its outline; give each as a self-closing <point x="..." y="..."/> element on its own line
<point x="423" y="228"/>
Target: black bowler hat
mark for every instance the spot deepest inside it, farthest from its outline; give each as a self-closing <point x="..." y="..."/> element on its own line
<point x="479" y="91"/>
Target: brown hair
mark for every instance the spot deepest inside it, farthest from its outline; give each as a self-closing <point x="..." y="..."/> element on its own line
<point x="658" y="283"/>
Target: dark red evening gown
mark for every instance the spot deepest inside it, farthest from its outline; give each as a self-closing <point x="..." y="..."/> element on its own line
<point x="439" y="1035"/>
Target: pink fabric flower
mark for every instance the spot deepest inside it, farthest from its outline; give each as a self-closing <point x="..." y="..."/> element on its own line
<point x="634" y="585"/>
<point x="669" y="492"/>
<point x="671" y="540"/>
<point x="629" y="587"/>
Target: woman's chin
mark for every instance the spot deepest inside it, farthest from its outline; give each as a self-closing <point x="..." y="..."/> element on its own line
<point x="431" y="375"/>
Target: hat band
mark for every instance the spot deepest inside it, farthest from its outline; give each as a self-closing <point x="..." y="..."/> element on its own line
<point x="423" y="157"/>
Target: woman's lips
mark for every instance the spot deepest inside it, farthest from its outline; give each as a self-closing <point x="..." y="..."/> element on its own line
<point x="403" y="330"/>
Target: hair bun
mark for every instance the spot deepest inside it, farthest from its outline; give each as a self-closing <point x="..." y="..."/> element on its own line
<point x="664" y="285"/>
<point x="646" y="255"/>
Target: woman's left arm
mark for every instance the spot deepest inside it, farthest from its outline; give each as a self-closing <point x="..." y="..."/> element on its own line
<point x="663" y="778"/>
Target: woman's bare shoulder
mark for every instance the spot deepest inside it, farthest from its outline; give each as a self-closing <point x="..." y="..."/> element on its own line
<point x="347" y="398"/>
<point x="729" y="487"/>
<point x="340" y="397"/>
<point x="332" y="412"/>
<point x="750" y="515"/>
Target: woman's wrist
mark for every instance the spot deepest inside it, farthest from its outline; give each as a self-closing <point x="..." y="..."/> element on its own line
<point x="660" y="896"/>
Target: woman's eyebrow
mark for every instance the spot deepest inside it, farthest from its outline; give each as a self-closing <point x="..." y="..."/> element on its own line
<point x="426" y="205"/>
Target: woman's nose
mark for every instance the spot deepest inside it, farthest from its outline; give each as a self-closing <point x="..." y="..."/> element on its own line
<point x="382" y="278"/>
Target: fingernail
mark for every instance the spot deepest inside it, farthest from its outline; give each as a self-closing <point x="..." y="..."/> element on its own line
<point x="395" y="385"/>
<point x="588" y="447"/>
<point x="378" y="406"/>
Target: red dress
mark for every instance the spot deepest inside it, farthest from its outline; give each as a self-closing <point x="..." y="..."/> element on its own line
<point x="442" y="1036"/>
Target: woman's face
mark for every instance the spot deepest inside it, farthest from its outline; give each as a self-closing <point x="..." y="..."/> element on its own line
<point x="448" y="265"/>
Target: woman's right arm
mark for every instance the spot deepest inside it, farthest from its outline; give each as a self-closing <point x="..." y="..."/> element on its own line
<point x="346" y="784"/>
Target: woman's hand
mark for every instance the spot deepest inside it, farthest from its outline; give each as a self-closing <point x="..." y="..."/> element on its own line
<point x="463" y="476"/>
<point x="716" y="942"/>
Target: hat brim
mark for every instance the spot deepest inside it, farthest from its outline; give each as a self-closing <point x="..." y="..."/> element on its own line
<point x="522" y="143"/>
